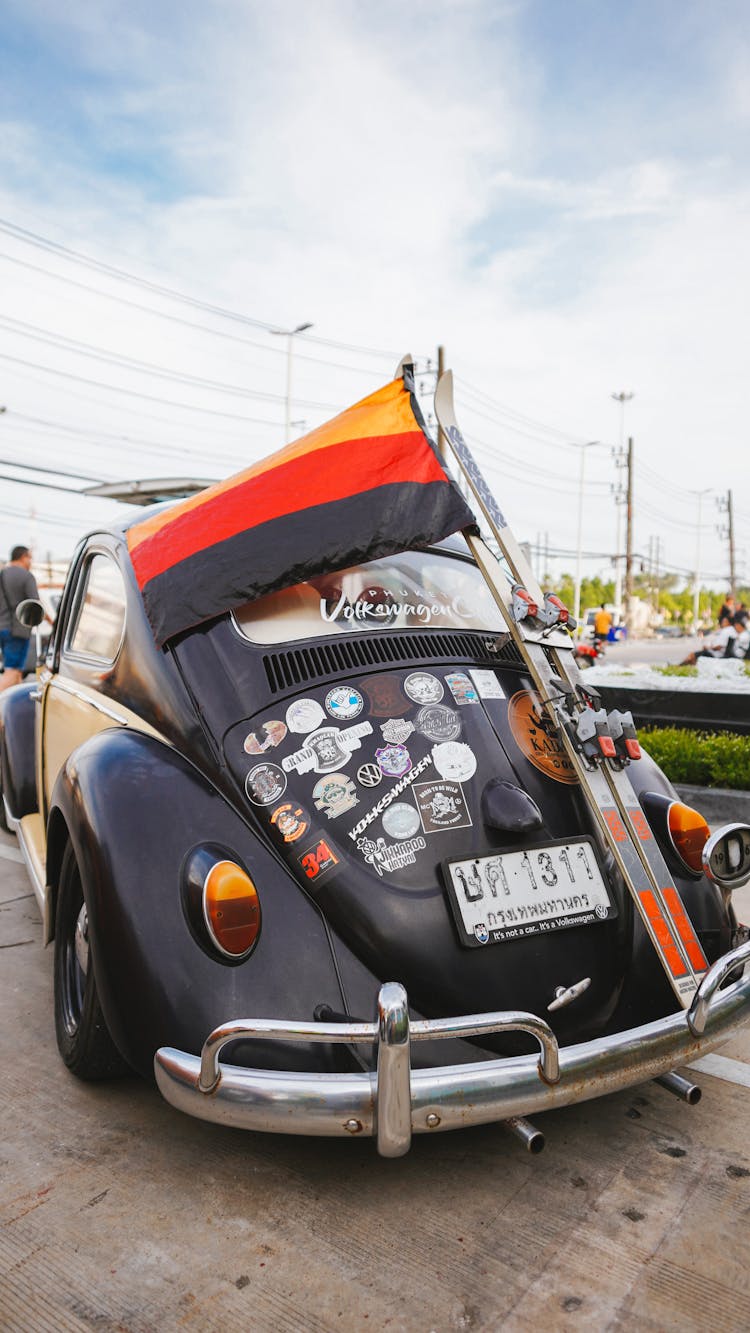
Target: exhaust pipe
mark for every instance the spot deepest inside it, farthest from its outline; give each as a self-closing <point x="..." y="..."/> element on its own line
<point x="681" y="1087"/>
<point x="532" y="1138"/>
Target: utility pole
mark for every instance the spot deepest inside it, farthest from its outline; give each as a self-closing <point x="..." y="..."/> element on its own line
<point x="289" y="334"/>
<point x="732" y="567"/>
<point x="658" y="557"/>
<point x="622" y="398"/>
<point x="629" y="543"/>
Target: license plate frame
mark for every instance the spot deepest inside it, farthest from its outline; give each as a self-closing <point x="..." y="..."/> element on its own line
<point x="483" y="920"/>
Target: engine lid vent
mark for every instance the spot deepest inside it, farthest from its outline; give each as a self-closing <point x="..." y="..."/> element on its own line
<point x="298" y="666"/>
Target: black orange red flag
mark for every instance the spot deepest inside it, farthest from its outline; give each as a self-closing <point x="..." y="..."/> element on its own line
<point x="364" y="485"/>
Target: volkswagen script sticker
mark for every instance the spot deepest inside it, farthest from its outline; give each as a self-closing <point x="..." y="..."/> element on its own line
<point x="401" y="821"/>
<point x="454" y="761"/>
<point x="344" y="702"/>
<point x="265" y="783"/>
<point x="304" y="715"/>
<point x="423" y="688"/>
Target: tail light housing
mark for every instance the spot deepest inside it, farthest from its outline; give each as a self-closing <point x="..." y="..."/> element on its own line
<point x="682" y="831"/>
<point x="222" y="903"/>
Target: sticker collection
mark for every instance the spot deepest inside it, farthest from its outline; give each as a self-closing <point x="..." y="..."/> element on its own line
<point x="421" y="797"/>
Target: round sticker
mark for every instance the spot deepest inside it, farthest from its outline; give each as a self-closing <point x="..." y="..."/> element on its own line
<point x="344" y="702"/>
<point x="455" y="761"/>
<point x="394" y="760"/>
<point x="291" y="821"/>
<point x="265" y="738"/>
<point x="401" y="821"/>
<point x="537" y="738"/>
<point x="265" y="783"/>
<point x="422" y="688"/>
<point x="369" y="775"/>
<point x="304" y="715"/>
<point x="438" y="722"/>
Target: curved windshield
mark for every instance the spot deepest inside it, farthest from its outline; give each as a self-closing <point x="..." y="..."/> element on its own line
<point x="414" y="590"/>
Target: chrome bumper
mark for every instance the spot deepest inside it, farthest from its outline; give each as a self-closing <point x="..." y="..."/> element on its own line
<point x="395" y="1101"/>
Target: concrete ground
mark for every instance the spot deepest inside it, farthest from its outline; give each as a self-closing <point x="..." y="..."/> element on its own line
<point x="118" y="1213"/>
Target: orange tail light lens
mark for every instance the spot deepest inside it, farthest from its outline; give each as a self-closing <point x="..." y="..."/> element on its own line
<point x="689" y="833"/>
<point x="231" y="909"/>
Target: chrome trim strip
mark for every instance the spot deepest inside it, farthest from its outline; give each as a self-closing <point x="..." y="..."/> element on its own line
<point x="40" y="889"/>
<point x="88" y="697"/>
<point x="443" y="1097"/>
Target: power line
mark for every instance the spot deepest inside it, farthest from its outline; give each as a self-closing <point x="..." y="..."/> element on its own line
<point x="62" y="342"/>
<point x="269" y="348"/>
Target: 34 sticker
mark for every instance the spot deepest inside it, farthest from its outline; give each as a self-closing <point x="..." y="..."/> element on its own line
<point x="317" y="860"/>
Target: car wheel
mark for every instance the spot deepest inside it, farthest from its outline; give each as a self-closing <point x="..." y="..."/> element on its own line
<point x="82" y="1033"/>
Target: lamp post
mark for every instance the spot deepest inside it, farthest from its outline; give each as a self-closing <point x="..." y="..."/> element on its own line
<point x="289" y="335"/>
<point x="577" y="595"/>
<point x="622" y="398"/>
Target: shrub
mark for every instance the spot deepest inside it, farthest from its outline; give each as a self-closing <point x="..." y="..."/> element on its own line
<point x="700" y="758"/>
<point x="676" y="670"/>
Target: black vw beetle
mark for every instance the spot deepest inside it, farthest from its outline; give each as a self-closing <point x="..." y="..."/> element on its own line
<point x="321" y="863"/>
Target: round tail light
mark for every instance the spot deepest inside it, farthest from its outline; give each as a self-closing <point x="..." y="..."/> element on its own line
<point x="689" y="834"/>
<point x="231" y="909"/>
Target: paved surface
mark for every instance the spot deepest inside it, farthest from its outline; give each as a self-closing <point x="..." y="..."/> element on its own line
<point x="117" y="1213"/>
<point x="660" y="651"/>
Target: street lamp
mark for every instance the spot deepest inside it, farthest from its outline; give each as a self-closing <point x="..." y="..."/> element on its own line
<point x="622" y="398"/>
<point x="577" y="595"/>
<point x="289" y="335"/>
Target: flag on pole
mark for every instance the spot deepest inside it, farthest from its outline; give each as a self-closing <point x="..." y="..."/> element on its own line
<point x="367" y="484"/>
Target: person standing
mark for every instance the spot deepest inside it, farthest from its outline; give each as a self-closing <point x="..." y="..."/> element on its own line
<point x="16" y="584"/>
<point x="602" y="622"/>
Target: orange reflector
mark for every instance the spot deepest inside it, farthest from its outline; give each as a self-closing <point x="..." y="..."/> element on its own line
<point x="689" y="833"/>
<point x="231" y="908"/>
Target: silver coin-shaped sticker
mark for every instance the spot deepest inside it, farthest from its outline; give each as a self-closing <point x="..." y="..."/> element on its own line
<point x="438" y="722"/>
<point x="344" y="702"/>
<point x="304" y="715"/>
<point x="401" y="821"/>
<point x="369" y="775"/>
<point x="423" y="688"/>
<point x="265" y="784"/>
<point x="454" y="761"/>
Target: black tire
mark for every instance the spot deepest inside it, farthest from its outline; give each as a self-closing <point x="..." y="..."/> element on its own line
<point x="82" y="1034"/>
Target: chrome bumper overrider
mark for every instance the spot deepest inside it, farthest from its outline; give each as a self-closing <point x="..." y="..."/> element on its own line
<point x="395" y="1101"/>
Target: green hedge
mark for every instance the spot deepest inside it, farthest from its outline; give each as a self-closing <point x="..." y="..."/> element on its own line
<point x="700" y="758"/>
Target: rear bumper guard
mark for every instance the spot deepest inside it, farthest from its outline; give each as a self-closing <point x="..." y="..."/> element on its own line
<point x="395" y="1101"/>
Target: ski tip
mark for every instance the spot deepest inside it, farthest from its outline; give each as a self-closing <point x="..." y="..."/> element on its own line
<point x="444" y="397"/>
<point x="406" y="360"/>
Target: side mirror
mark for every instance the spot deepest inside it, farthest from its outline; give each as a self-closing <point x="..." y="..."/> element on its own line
<point x="30" y="613"/>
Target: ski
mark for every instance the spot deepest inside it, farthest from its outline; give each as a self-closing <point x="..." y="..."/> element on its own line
<point x="598" y="747"/>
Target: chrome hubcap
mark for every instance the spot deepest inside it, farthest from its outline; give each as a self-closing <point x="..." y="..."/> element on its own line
<point x="82" y="940"/>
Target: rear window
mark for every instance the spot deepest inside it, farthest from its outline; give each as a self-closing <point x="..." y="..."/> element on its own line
<point x="414" y="590"/>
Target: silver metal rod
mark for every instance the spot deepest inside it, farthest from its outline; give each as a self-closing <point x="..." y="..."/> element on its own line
<point x="681" y="1087"/>
<point x="532" y="1138"/>
<point x="698" y="1011"/>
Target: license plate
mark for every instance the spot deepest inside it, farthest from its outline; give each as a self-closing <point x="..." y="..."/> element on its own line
<point x="511" y="894"/>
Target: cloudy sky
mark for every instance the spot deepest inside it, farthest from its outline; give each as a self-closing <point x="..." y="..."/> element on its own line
<point x="556" y="190"/>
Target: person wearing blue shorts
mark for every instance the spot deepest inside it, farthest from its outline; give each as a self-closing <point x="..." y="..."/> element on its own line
<point x="16" y="584"/>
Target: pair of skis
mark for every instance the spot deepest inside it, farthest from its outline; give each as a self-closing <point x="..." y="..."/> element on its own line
<point x="598" y="747"/>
